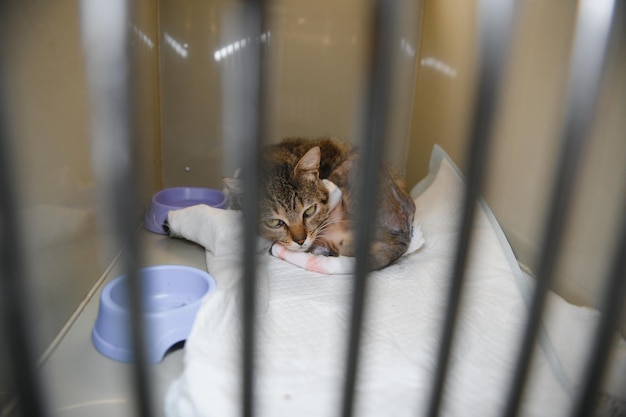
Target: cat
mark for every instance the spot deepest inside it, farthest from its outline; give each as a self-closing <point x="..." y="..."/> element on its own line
<point x="294" y="206"/>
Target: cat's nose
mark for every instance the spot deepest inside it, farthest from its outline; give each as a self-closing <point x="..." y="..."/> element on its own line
<point x="298" y="234"/>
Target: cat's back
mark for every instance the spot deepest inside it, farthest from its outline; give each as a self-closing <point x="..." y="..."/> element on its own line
<point x="288" y="152"/>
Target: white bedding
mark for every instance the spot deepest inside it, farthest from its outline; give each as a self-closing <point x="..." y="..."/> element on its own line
<point x="303" y="320"/>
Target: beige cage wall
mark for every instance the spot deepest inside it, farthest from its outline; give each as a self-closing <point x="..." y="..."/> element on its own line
<point x="526" y="137"/>
<point x="67" y="249"/>
<point x="182" y="53"/>
<point x="316" y="58"/>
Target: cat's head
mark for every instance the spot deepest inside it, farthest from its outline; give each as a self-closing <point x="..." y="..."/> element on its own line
<point x="294" y="201"/>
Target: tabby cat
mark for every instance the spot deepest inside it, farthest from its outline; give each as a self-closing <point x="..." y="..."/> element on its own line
<point x="294" y="207"/>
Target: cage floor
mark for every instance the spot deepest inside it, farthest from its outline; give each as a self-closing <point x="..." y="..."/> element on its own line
<point x="80" y="381"/>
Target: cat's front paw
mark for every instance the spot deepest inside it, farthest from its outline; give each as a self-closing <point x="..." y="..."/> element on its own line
<point x="322" y="250"/>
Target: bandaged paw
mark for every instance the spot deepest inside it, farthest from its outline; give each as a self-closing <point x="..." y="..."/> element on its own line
<point x="315" y="263"/>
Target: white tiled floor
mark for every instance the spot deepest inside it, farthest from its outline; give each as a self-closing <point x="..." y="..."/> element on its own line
<point x="81" y="382"/>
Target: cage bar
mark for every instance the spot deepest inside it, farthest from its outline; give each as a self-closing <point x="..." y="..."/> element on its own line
<point x="496" y="24"/>
<point x="373" y="133"/>
<point x="612" y="305"/>
<point x="105" y="40"/>
<point x="586" y="68"/>
<point x="252" y="112"/>
<point x="612" y="302"/>
<point x="14" y="281"/>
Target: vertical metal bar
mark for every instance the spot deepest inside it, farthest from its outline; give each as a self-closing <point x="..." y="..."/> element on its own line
<point x="613" y="299"/>
<point x="586" y="67"/>
<point x="612" y="305"/>
<point x="374" y="130"/>
<point x="496" y="24"/>
<point x="13" y="276"/>
<point x="253" y="120"/>
<point x="105" y="42"/>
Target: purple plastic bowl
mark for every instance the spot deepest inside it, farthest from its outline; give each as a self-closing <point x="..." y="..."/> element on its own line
<point x="172" y="295"/>
<point x="177" y="198"/>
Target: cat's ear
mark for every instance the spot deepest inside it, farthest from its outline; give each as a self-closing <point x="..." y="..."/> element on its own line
<point x="234" y="190"/>
<point x="309" y="164"/>
<point x="233" y="185"/>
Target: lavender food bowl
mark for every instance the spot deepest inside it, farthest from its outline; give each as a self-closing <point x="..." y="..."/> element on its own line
<point x="172" y="296"/>
<point x="177" y="198"/>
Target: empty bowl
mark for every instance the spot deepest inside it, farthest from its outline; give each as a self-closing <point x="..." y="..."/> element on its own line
<point x="171" y="294"/>
<point x="177" y="198"/>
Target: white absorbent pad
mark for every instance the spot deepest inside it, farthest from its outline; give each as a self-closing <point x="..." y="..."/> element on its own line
<point x="303" y="319"/>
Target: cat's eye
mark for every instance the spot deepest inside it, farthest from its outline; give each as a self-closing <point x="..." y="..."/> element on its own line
<point x="310" y="211"/>
<point x="274" y="223"/>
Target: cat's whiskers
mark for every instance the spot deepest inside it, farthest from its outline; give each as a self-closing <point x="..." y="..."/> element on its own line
<point x="327" y="223"/>
<point x="324" y="226"/>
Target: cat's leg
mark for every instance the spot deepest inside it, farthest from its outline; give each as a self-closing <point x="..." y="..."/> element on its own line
<point x="394" y="223"/>
<point x="382" y="253"/>
<point x="322" y="264"/>
<point x="390" y="245"/>
<point x="323" y="248"/>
